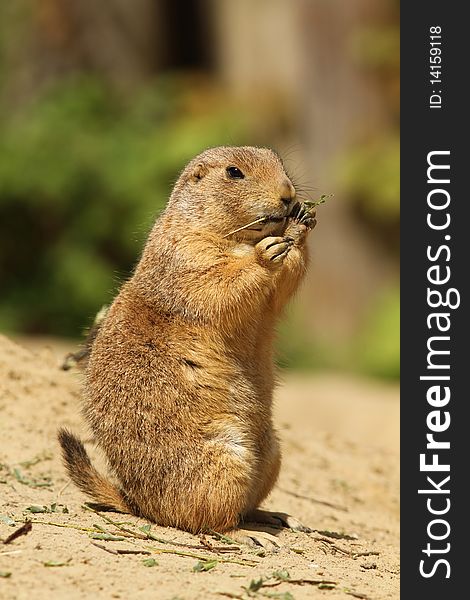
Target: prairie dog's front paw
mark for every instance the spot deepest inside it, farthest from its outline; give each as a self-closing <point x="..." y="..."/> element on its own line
<point x="301" y="221"/>
<point x="271" y="251"/>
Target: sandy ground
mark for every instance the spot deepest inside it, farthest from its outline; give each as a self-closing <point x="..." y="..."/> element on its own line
<point x="339" y="476"/>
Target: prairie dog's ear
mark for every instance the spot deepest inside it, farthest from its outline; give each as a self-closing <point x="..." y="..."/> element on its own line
<point x="199" y="171"/>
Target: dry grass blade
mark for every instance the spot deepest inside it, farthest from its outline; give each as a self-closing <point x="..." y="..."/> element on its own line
<point x="314" y="500"/>
<point x="356" y="594"/>
<point x="319" y="582"/>
<point x="151" y="536"/>
<point x="129" y="551"/>
<point x="308" y="204"/>
<point x="206" y="544"/>
<point x="333" y="545"/>
<point x="202" y="557"/>
<point x="144" y="533"/>
<point x="254" y="588"/>
<point x="222" y="537"/>
<point x="242" y="561"/>
<point x="120" y="551"/>
<point x="107" y="537"/>
<point x="261" y="220"/>
<point x="131" y="532"/>
<point x="336" y="535"/>
<point x="66" y="525"/>
<point x="109" y="550"/>
<point x="344" y="551"/>
<point x="57" y="563"/>
<point x="30" y="482"/>
<point x="37" y="459"/>
<point x="323" y="198"/>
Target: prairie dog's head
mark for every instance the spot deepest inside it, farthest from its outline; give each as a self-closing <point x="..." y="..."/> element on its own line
<point x="225" y="188"/>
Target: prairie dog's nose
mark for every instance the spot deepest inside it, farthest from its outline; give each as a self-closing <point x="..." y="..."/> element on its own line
<point x="287" y="192"/>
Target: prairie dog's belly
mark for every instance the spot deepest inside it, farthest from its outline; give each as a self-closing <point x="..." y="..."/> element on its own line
<point x="140" y="375"/>
<point x="171" y="375"/>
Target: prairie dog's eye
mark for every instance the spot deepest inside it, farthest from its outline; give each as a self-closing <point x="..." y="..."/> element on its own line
<point x="234" y="173"/>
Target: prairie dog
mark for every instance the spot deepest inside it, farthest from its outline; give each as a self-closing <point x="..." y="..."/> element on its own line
<point x="180" y="377"/>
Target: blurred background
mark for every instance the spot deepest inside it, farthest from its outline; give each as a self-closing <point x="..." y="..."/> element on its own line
<point x="102" y="104"/>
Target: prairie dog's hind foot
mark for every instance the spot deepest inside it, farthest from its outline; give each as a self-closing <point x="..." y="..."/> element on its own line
<point x="256" y="536"/>
<point x="261" y="528"/>
<point x="275" y="519"/>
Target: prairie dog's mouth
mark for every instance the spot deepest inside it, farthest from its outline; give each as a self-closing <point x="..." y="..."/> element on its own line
<point x="275" y="219"/>
<point x="267" y="220"/>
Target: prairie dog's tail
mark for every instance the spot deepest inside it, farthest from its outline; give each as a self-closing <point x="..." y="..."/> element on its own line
<point x="86" y="477"/>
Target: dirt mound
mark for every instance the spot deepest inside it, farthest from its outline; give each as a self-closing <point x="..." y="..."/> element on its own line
<point x="339" y="476"/>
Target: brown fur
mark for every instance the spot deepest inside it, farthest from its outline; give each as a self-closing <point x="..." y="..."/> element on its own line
<point x="85" y="476"/>
<point x="180" y="377"/>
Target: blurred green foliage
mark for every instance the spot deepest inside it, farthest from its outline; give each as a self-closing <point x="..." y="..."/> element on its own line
<point x="377" y="346"/>
<point x="370" y="177"/>
<point x="374" y="349"/>
<point x="83" y="173"/>
<point x="85" y="168"/>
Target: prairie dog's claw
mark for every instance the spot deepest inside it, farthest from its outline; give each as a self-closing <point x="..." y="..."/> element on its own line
<point x="294" y="211"/>
<point x="301" y="212"/>
<point x="301" y="220"/>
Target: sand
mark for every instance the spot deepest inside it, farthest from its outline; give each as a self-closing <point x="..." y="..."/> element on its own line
<point x="340" y="476"/>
